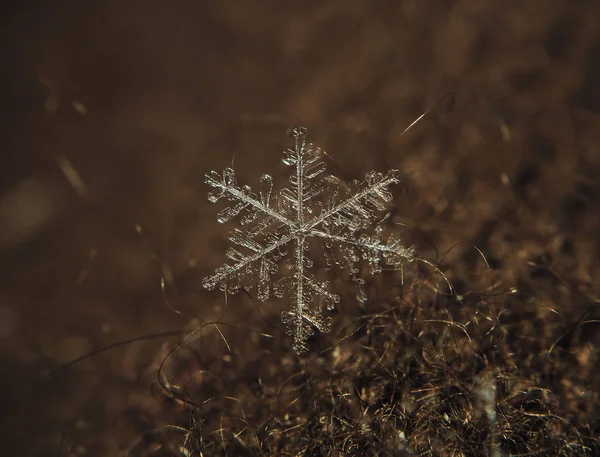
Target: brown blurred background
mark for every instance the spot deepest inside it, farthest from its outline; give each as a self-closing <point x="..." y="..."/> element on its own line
<point x="112" y="111"/>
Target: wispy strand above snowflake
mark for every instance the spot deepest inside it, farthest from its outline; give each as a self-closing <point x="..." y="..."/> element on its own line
<point x="281" y="226"/>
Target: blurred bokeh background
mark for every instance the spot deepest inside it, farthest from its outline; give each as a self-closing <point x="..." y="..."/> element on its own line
<point x="112" y="111"/>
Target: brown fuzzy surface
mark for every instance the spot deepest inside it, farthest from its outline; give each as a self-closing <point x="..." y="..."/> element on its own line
<point x="113" y="111"/>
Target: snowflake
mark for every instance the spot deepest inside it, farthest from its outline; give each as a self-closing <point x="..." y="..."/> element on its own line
<point x="310" y="208"/>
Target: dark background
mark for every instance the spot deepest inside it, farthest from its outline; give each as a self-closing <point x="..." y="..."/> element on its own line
<point x="140" y="99"/>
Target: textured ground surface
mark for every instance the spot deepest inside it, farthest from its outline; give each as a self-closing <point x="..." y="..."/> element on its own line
<point x="143" y="98"/>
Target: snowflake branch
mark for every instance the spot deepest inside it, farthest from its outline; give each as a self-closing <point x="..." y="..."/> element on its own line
<point x="390" y="178"/>
<point x="300" y="184"/>
<point x="228" y="270"/>
<point x="299" y="334"/>
<point x="240" y="196"/>
<point x="372" y="244"/>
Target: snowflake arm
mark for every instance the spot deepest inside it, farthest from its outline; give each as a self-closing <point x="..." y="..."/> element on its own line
<point x="356" y="208"/>
<point x="393" y="252"/>
<point x="228" y="271"/>
<point x="227" y="186"/>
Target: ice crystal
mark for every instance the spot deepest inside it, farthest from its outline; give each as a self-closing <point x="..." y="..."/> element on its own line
<point x="276" y="226"/>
